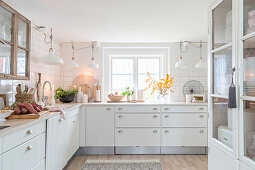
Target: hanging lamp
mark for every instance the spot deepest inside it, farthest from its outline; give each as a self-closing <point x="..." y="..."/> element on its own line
<point x="74" y="64"/>
<point x="201" y="64"/>
<point x="180" y="63"/>
<point x="51" y="59"/>
<point x="93" y="63"/>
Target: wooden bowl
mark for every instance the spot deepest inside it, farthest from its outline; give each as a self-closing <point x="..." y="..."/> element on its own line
<point x="115" y="98"/>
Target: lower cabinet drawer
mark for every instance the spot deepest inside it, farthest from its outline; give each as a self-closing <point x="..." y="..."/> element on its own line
<point x="137" y="120"/>
<point x="184" y="137"/>
<point x="40" y="165"/>
<point x="25" y="156"/>
<point x="137" y="136"/>
<point x="184" y="120"/>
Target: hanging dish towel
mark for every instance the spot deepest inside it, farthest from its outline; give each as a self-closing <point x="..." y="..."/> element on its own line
<point x="232" y="92"/>
<point x="57" y="109"/>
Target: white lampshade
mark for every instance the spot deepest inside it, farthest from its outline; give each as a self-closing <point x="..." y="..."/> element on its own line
<point x="74" y="64"/>
<point x="93" y="64"/>
<point x="201" y="64"/>
<point x="180" y="64"/>
<point x="51" y="59"/>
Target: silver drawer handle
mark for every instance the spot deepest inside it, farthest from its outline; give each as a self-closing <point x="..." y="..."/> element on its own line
<point x="108" y="109"/>
<point x="29" y="148"/>
<point x="120" y="109"/>
<point x="201" y="108"/>
<point x="166" y="116"/>
<point x="29" y="132"/>
<point x="166" y="108"/>
<point x="155" y="131"/>
<point x="120" y="116"/>
<point x="60" y="119"/>
<point x="201" y="116"/>
<point x="201" y="131"/>
<point x="155" y="116"/>
<point x="120" y="131"/>
<point x="166" y="131"/>
<point x="74" y="121"/>
<point x="155" y="109"/>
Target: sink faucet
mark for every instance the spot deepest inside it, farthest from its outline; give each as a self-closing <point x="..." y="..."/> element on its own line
<point x="45" y="98"/>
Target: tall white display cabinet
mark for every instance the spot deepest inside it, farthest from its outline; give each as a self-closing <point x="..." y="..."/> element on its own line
<point x="223" y="122"/>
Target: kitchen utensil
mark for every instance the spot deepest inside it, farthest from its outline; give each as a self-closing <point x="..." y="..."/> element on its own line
<point x="26" y="89"/>
<point x="193" y="87"/>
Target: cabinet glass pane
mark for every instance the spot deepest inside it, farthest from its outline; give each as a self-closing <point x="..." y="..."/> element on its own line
<point x="22" y="33"/>
<point x="222" y="24"/>
<point x="249" y="128"/>
<point x="122" y="66"/>
<point x="5" y="24"/>
<point x="21" y="62"/>
<point x="5" y="58"/>
<point x="222" y="122"/>
<point x="222" y="70"/>
<point x="249" y="17"/>
<point x="249" y="67"/>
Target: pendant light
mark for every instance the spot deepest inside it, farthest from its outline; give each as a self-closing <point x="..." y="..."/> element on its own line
<point x="93" y="63"/>
<point x="74" y="64"/>
<point x="51" y="59"/>
<point x="201" y="64"/>
<point x="180" y="63"/>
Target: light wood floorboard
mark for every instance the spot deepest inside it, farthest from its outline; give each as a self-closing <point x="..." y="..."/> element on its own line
<point x="169" y="162"/>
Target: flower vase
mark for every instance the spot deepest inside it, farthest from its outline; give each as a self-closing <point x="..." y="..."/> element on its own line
<point x="161" y="97"/>
<point x="128" y="98"/>
<point x="251" y="149"/>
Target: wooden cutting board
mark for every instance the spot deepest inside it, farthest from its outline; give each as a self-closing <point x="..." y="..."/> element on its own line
<point x="122" y="101"/>
<point x="27" y="116"/>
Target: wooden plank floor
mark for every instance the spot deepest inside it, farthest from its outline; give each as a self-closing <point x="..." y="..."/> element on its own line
<point x="169" y="162"/>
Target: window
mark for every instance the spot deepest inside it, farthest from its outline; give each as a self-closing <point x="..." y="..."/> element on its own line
<point x="132" y="71"/>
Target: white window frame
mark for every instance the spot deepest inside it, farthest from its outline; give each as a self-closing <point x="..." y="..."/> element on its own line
<point x="135" y="66"/>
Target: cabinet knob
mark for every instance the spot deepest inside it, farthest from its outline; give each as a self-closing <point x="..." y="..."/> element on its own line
<point x="120" y="108"/>
<point x="201" y="116"/>
<point x="108" y="109"/>
<point x="166" y="116"/>
<point x="155" y="109"/>
<point x="201" y="108"/>
<point x="155" y="116"/>
<point x="166" y="131"/>
<point x="29" y="132"/>
<point x="166" y="108"/>
<point x="201" y="131"/>
<point x="60" y="119"/>
<point x="155" y="131"/>
<point x="120" y="131"/>
<point x="120" y="116"/>
<point x="29" y="148"/>
<point x="74" y="121"/>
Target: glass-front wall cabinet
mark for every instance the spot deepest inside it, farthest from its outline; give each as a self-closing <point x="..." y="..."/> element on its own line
<point x="222" y="63"/>
<point x="14" y="44"/>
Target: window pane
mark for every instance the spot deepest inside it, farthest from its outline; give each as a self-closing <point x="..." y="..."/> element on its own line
<point x="22" y="34"/>
<point x="120" y="82"/>
<point x="122" y="66"/>
<point x="21" y="62"/>
<point x="5" y="24"/>
<point x="222" y="71"/>
<point x="222" y="24"/>
<point x="249" y="16"/>
<point x="150" y="65"/>
<point x="249" y="69"/>
<point x="5" y="58"/>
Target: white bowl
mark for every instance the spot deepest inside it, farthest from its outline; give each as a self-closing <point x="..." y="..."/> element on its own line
<point x="4" y="115"/>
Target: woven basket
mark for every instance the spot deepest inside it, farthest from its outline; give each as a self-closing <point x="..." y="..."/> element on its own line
<point x="21" y="98"/>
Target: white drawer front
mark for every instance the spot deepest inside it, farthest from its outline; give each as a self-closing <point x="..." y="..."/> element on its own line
<point x="137" y="109"/>
<point x="184" y="137"/>
<point x="137" y="137"/>
<point x="184" y="120"/>
<point x="25" y="156"/>
<point x="137" y="120"/>
<point x="40" y="166"/>
<point x="14" y="139"/>
<point x="184" y="109"/>
<point x="72" y="113"/>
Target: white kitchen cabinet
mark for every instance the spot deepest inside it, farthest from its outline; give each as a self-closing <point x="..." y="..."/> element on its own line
<point x="183" y="108"/>
<point x="138" y="109"/>
<point x="184" y="120"/>
<point x="99" y="126"/>
<point x="137" y="137"/>
<point x="242" y="166"/>
<point x="137" y="120"/>
<point x="26" y="155"/>
<point x="40" y="166"/>
<point x="184" y="136"/>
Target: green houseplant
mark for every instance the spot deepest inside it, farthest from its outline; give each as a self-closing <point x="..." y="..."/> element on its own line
<point x="128" y="93"/>
<point x="66" y="96"/>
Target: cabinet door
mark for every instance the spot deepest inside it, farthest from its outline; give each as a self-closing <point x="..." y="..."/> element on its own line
<point x="100" y="126"/>
<point x="56" y="144"/>
<point x="72" y="136"/>
<point x="137" y="120"/>
<point x="242" y="166"/>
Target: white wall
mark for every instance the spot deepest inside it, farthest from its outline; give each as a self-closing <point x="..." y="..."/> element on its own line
<point x="38" y="49"/>
<point x="83" y="57"/>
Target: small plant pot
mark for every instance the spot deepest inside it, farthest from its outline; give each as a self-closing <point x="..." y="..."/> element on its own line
<point x="67" y="98"/>
<point x="128" y="98"/>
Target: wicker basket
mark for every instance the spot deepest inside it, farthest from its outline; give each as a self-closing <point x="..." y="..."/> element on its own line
<point x="20" y="98"/>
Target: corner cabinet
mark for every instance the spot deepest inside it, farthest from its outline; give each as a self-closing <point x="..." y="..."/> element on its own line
<point x="15" y="40"/>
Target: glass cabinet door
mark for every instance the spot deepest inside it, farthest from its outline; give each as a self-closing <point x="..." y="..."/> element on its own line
<point x="248" y="17"/>
<point x="222" y="24"/>
<point x="5" y="24"/>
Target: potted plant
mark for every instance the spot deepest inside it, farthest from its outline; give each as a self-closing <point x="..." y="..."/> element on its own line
<point x="128" y="93"/>
<point x="66" y="96"/>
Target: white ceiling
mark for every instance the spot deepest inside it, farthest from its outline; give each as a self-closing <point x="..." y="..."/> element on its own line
<point x="119" y="20"/>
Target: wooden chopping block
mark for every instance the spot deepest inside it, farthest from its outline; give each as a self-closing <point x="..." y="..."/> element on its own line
<point x="27" y="116"/>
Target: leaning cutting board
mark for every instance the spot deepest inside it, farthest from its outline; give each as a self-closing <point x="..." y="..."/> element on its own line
<point x="27" y="116"/>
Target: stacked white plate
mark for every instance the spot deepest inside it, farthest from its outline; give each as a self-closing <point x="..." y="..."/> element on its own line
<point x="251" y="21"/>
<point x="249" y="82"/>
